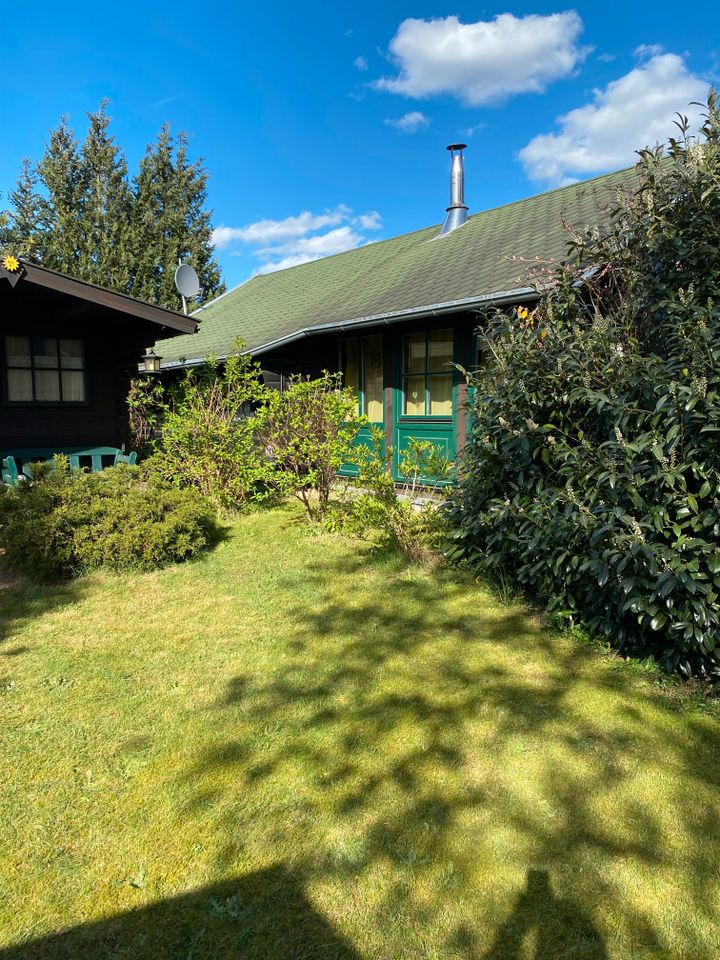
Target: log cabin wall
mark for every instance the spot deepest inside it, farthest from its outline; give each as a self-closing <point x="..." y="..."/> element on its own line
<point x="113" y="345"/>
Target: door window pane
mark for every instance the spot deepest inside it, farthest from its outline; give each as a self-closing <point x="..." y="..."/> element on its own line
<point x="440" y="350"/>
<point x="415" y="396"/>
<point x="73" y="386"/>
<point x="349" y="365"/>
<point x="17" y="351"/>
<point x="415" y="353"/>
<point x="71" y="354"/>
<point x="440" y="387"/>
<point x="373" y="378"/>
<point x="19" y="385"/>
<point x="45" y="352"/>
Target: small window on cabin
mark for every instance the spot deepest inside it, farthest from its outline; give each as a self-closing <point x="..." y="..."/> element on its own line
<point x="361" y="363"/>
<point x="44" y="370"/>
<point x="427" y="374"/>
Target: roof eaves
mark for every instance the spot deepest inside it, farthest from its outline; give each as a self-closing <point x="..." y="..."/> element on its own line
<point x="518" y="294"/>
<point x="94" y="293"/>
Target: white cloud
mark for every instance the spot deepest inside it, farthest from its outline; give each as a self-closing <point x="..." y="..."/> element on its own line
<point x="299" y="239"/>
<point x="410" y="122"/>
<point x="648" y="50"/>
<point x="471" y="131"/>
<point x="369" y="221"/>
<point x="484" y="61"/>
<point x="361" y="63"/>
<point x="270" y="231"/>
<point x="635" y="111"/>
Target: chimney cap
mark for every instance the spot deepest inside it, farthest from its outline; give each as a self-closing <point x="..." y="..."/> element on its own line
<point x="456" y="146"/>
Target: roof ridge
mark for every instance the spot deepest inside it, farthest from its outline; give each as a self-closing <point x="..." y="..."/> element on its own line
<point x="546" y="193"/>
<point x="410" y="233"/>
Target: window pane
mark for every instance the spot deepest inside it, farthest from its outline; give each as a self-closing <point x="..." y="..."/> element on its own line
<point x="415" y="396"/>
<point x="73" y="386"/>
<point x="373" y="378"/>
<point x="440" y="346"/>
<point x="71" y="354"/>
<point x="45" y="352"/>
<point x="47" y="385"/>
<point x="19" y="385"/>
<point x="349" y="364"/>
<point x="415" y="353"/>
<point x="440" y="387"/>
<point x="17" y="351"/>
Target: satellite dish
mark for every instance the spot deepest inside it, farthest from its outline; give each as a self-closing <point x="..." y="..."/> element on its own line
<point x="186" y="281"/>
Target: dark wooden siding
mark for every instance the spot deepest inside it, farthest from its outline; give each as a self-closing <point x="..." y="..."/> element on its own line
<point x="113" y="346"/>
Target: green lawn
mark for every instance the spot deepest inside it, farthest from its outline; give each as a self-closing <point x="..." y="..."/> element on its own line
<point x="289" y="750"/>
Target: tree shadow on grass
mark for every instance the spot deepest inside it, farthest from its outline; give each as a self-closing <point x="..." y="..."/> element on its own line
<point x="22" y="601"/>
<point x="436" y="751"/>
<point x="263" y="915"/>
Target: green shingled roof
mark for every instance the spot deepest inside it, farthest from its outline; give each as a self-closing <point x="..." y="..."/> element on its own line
<point x="487" y="257"/>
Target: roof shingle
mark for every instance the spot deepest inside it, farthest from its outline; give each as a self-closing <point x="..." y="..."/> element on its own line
<point x="490" y="255"/>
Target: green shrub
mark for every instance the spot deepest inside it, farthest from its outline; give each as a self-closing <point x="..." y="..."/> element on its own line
<point x="308" y="432"/>
<point x="402" y="522"/>
<point x="64" y="522"/>
<point x="593" y="475"/>
<point x="204" y="434"/>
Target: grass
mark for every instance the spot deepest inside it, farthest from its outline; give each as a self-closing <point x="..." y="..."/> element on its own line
<point x="289" y="749"/>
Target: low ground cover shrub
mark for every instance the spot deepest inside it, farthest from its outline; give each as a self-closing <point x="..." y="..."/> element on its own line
<point x="592" y="479"/>
<point x="66" y="522"/>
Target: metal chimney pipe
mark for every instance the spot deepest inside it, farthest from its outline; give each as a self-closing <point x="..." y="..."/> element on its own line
<point x="457" y="213"/>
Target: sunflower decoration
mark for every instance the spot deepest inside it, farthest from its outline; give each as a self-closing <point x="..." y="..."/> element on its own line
<point x="10" y="263"/>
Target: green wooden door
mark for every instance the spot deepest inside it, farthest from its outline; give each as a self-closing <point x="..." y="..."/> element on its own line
<point x="425" y="397"/>
<point x="361" y="363"/>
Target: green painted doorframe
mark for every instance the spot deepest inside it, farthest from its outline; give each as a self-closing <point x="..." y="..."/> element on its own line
<point x="448" y="432"/>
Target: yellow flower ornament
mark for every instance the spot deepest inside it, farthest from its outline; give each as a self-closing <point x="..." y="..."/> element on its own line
<point x="11" y="263"/>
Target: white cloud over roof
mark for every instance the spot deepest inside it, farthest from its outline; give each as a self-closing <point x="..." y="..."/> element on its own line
<point x="299" y="239"/>
<point x="634" y="111"/>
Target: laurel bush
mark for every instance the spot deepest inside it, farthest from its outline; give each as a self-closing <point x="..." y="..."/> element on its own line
<point x="592" y="479"/>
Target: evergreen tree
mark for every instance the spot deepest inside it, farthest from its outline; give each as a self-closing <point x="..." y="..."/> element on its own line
<point x="104" y="208"/>
<point x="171" y="223"/>
<point x="20" y="231"/>
<point x="59" y="175"/>
<point x="77" y="212"/>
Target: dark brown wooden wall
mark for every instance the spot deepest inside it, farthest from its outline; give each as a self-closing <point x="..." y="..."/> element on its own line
<point x="114" y="345"/>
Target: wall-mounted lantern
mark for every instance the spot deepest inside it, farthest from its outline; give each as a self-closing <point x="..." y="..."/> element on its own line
<point x="151" y="361"/>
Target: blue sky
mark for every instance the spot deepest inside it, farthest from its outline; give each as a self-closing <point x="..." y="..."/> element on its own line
<point x="323" y="125"/>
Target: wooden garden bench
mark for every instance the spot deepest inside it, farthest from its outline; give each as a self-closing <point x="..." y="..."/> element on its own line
<point x="15" y="463"/>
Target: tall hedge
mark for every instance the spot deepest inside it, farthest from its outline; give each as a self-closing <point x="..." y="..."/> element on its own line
<point x="592" y="478"/>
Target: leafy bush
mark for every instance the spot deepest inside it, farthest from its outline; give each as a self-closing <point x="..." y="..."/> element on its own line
<point x="416" y="529"/>
<point x="593" y="474"/>
<point x="308" y="432"/>
<point x="206" y="436"/>
<point x="66" y="522"/>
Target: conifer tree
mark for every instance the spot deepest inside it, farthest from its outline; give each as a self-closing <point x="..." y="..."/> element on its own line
<point x="104" y="207"/>
<point x="78" y="213"/>
<point x="171" y="223"/>
<point x="59" y="176"/>
<point x="21" y="228"/>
